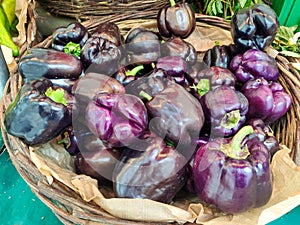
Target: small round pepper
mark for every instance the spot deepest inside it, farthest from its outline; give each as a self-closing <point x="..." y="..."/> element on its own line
<point x="70" y="39"/>
<point x="176" y="19"/>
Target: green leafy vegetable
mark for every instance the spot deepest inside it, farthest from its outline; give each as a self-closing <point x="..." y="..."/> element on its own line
<point x="287" y="41"/>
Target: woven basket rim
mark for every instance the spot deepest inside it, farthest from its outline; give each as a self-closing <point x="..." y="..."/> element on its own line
<point x="67" y="205"/>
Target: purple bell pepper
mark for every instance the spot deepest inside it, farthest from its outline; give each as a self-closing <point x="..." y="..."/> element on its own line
<point x="176" y="116"/>
<point x="174" y="66"/>
<point x="85" y="88"/>
<point x="264" y="134"/>
<point x="225" y="110"/>
<point x="117" y="119"/>
<point x="267" y="100"/>
<point x="95" y="159"/>
<point x="254" y="27"/>
<point x="210" y="78"/>
<point x="254" y="64"/>
<point x="234" y="177"/>
<point x="151" y="170"/>
<point x="176" y="46"/>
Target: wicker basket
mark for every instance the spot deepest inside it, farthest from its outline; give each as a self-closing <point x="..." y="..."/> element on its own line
<point x="67" y="205"/>
<point x="87" y="9"/>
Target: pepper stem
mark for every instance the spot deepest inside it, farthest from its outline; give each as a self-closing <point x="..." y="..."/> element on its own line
<point x="234" y="149"/>
<point x="72" y="48"/>
<point x="231" y="119"/>
<point x="57" y="95"/>
<point x="134" y="71"/>
<point x="145" y="95"/>
<point x="202" y="87"/>
<point x="172" y="3"/>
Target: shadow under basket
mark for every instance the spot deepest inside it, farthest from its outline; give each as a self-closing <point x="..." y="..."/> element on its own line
<point x="67" y="205"/>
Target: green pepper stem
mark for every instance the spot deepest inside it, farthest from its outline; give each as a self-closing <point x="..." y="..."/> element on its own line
<point x="231" y="119"/>
<point x="202" y="87"/>
<point x="57" y="95"/>
<point x="145" y="95"/>
<point x="234" y="149"/>
<point x="134" y="71"/>
<point x="172" y="3"/>
<point x="72" y="48"/>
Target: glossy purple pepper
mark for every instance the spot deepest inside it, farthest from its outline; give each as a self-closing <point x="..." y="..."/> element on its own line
<point x="176" y="19"/>
<point x="117" y="119"/>
<point x="151" y="170"/>
<point x="267" y="100"/>
<point x="254" y="64"/>
<point x="232" y="176"/>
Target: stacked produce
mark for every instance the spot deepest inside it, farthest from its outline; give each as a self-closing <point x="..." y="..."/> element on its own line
<point x="149" y="117"/>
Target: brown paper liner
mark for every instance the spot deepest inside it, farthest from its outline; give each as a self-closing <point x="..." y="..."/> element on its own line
<point x="53" y="162"/>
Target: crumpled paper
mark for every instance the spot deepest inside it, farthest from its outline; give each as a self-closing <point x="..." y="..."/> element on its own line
<point x="53" y="162"/>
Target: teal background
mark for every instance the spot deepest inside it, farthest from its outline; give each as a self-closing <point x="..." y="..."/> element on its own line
<point x="19" y="206"/>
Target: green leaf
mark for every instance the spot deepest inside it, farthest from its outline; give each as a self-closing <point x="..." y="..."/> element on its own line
<point x="290" y="54"/>
<point x="219" y="6"/>
<point x="209" y="8"/>
<point x="286" y="32"/>
<point x="214" y="8"/>
<point x="243" y="3"/>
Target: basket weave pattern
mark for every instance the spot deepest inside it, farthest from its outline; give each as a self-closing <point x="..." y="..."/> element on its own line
<point x="69" y="206"/>
<point x="86" y="9"/>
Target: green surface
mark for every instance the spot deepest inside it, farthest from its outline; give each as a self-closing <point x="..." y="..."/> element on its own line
<point x="19" y="206"/>
<point x="287" y="11"/>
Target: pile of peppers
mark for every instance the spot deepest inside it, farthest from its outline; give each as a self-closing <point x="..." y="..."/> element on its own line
<point x="148" y="117"/>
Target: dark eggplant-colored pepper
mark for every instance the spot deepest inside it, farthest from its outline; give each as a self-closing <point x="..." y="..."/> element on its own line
<point x="49" y="63"/>
<point x="117" y="119"/>
<point x="39" y="113"/>
<point x="254" y="64"/>
<point x="153" y="83"/>
<point x="176" y="116"/>
<point x="232" y="175"/>
<point x="70" y="39"/>
<point x="264" y="134"/>
<point x="174" y="66"/>
<point x="176" y="19"/>
<point x="254" y="27"/>
<point x="100" y="55"/>
<point x="102" y="51"/>
<point x="110" y="32"/>
<point x="151" y="170"/>
<point x="142" y="46"/>
<point x="211" y="78"/>
<point x="267" y="100"/>
<point x="127" y="74"/>
<point x="176" y="46"/>
<point x="95" y="158"/>
<point x="225" y="110"/>
<point x="220" y="55"/>
<point x="85" y="88"/>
